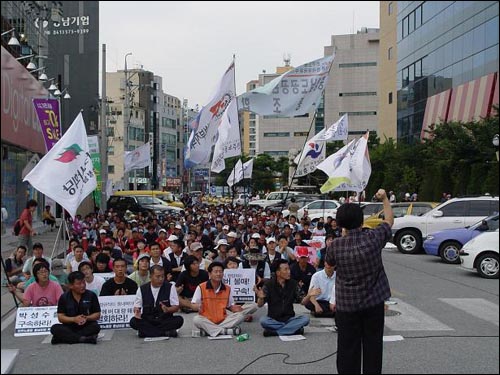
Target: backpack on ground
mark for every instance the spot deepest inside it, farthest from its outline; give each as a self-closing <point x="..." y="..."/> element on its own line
<point x="18" y="225"/>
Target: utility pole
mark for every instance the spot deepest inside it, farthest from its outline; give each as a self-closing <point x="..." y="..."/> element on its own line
<point x="126" y="120"/>
<point x="104" y="135"/>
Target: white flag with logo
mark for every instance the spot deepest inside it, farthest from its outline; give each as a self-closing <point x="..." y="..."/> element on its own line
<point x="235" y="173"/>
<point x="228" y="143"/>
<point x="349" y="169"/>
<point x="240" y="172"/>
<point x="65" y="173"/>
<point x="291" y="94"/>
<point x="313" y="153"/>
<point x="337" y="132"/>
<point x="204" y="133"/>
<point x="138" y="158"/>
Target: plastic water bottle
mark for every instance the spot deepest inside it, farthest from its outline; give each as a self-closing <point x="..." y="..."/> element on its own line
<point x="243" y="337"/>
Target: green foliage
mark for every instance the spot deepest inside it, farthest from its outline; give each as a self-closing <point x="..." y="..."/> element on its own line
<point x="458" y="158"/>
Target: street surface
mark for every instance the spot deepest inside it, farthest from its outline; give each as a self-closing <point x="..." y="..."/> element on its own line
<point x="448" y="319"/>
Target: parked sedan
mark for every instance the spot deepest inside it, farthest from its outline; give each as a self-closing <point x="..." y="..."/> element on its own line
<point x="400" y="210"/>
<point x="481" y="254"/>
<point x="447" y="243"/>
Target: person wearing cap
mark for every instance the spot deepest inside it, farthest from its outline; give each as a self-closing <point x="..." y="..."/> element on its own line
<point x="162" y="239"/>
<point x="57" y="270"/>
<point x="176" y="258"/>
<point x="302" y="271"/>
<point x="221" y="249"/>
<point x="168" y="249"/>
<point x="78" y="311"/>
<point x="141" y="275"/>
<point x="233" y="240"/>
<point x="155" y="303"/>
<point x="93" y="282"/>
<point x="361" y="288"/>
<point x="272" y="255"/>
<point x="280" y="293"/>
<point x="256" y="260"/>
<point x="188" y="281"/>
<point x="119" y="285"/>
<point x="196" y="249"/>
<point x="178" y="232"/>
<point x="212" y="299"/>
<point x="131" y="246"/>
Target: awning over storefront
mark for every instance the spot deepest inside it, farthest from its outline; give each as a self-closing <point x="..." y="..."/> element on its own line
<point x="467" y="102"/>
<point x="20" y="124"/>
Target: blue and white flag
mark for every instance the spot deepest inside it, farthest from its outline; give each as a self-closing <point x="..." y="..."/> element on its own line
<point x="293" y="93"/>
<point x="204" y="133"/>
<point x="313" y="153"/>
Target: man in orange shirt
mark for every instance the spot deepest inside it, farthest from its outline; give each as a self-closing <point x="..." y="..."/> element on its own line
<point x="211" y="299"/>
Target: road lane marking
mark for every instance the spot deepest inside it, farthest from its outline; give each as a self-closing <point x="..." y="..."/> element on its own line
<point x="413" y="319"/>
<point x="478" y="307"/>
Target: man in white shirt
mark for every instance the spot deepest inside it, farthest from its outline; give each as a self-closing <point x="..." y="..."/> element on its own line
<point x="321" y="294"/>
<point x="92" y="282"/>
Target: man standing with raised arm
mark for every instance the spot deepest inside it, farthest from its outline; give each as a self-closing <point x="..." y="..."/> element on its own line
<point x="361" y="288"/>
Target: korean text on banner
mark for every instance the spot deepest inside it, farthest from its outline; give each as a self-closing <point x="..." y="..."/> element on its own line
<point x="293" y="93"/>
<point x="47" y="111"/>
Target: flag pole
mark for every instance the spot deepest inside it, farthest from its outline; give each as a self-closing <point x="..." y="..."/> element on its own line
<point x="241" y="143"/>
<point x="304" y="145"/>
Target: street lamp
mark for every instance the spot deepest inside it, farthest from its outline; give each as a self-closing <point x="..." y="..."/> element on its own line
<point x="496" y="143"/>
<point x="13" y="40"/>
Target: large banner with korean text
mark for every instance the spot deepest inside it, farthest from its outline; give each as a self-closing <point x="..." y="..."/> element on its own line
<point x="116" y="312"/>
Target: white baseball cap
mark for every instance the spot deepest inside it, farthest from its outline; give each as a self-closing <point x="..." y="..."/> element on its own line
<point x="221" y="242"/>
<point x="271" y="239"/>
<point x="172" y="237"/>
<point x="232" y="234"/>
<point x="255" y="235"/>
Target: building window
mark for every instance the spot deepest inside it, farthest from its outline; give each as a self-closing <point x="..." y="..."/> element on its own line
<point x="362" y="113"/>
<point x="111" y="150"/>
<point x="389" y="8"/>
<point x="357" y="65"/>
<point x="389" y="53"/>
<point x="111" y="169"/>
<point x="300" y="134"/>
<point x="368" y="93"/>
<point x="277" y="134"/>
<point x="390" y="98"/>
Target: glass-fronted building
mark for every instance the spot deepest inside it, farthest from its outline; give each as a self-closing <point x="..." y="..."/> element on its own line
<point x="447" y="65"/>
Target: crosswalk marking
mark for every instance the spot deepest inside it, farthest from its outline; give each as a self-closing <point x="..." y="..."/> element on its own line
<point x="413" y="319"/>
<point x="478" y="307"/>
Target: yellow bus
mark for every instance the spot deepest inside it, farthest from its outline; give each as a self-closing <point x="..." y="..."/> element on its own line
<point x="165" y="196"/>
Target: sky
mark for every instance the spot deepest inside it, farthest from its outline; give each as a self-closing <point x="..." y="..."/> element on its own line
<point x="190" y="44"/>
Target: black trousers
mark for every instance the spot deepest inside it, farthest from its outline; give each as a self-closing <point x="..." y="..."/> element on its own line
<point x="157" y="328"/>
<point x="360" y="333"/>
<point x="70" y="334"/>
<point x="325" y="305"/>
